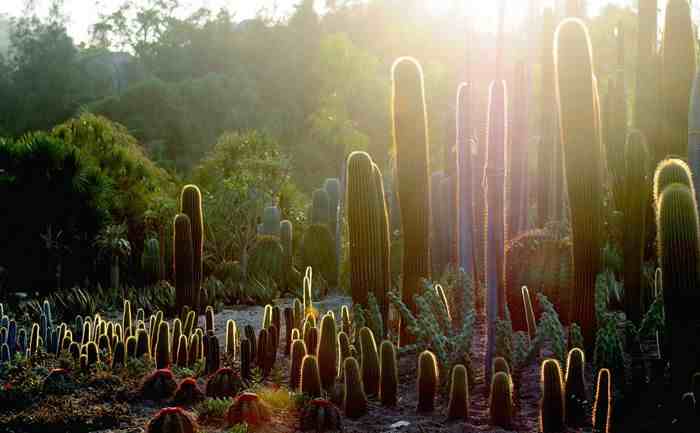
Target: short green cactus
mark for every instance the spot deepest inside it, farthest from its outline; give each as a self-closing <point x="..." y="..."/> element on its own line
<point x="328" y="353"/>
<point x="575" y="388"/>
<point x="298" y="353"/>
<point x="310" y="377"/>
<point x="119" y="356"/>
<point x="553" y="404"/>
<point x="246" y="359"/>
<point x="388" y="374"/>
<point x="231" y="335"/>
<point x="370" y="362"/>
<point x="602" y="407"/>
<point x="354" y="399"/>
<point x="428" y="381"/>
<point x="211" y="353"/>
<point x="311" y="339"/>
<point x="261" y="348"/>
<point x="501" y="401"/>
<point x="162" y="353"/>
<point x="669" y="171"/>
<point x="209" y="319"/>
<point x="181" y="352"/>
<point x="458" y="407"/>
<point x="250" y="335"/>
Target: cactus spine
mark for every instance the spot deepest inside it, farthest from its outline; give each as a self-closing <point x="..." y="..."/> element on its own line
<point x="328" y="352"/>
<point x="501" y="400"/>
<point x="191" y="205"/>
<point x="552" y="407"/>
<point x="410" y="136"/>
<point x="679" y="252"/>
<point x="602" y="407"/>
<point x="577" y="99"/>
<point x="458" y="407"/>
<point x="427" y="381"/>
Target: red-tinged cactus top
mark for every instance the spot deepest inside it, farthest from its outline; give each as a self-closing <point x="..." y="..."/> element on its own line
<point x="321" y="402"/>
<point x="226" y="370"/>
<point x="189" y="381"/>
<point x="170" y="411"/>
<point x="247" y="397"/>
<point x="163" y="372"/>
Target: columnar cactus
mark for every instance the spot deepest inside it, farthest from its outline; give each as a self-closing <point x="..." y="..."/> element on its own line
<point x="354" y="399"/>
<point x="195" y="349"/>
<point x="344" y="349"/>
<point x="615" y="130"/>
<point x="501" y="401"/>
<point x="458" y="407"/>
<point x="298" y="353"/>
<point x="518" y="139"/>
<point x="270" y="350"/>
<point x="310" y="377"/>
<point x="150" y="261"/>
<point x="388" y="374"/>
<point x="602" y="407"/>
<point x="635" y="199"/>
<point x="678" y="72"/>
<point x="163" y="356"/>
<point x="183" y="267"/>
<point x="367" y="224"/>
<point x="438" y="228"/>
<point x="119" y="356"/>
<point x="552" y="406"/>
<point x="311" y="339"/>
<point x="287" y="241"/>
<point x="319" y="207"/>
<point x="209" y="319"/>
<point x="246" y="358"/>
<point x="679" y="252"/>
<point x="494" y="176"/>
<point x="181" y="352"/>
<point x="34" y="340"/>
<point x="172" y="420"/>
<point x="410" y="135"/>
<point x="212" y="355"/>
<point x="271" y="221"/>
<point x="548" y="121"/>
<point x="250" y="336"/>
<point x="191" y="205"/>
<point x="370" y="362"/>
<point x="288" y="326"/>
<point x="328" y="352"/>
<point x="529" y="313"/>
<point x="647" y="108"/>
<point x="671" y="170"/>
<point x="694" y="131"/>
<point x="93" y="353"/>
<point x="318" y="252"/>
<point x="577" y="99"/>
<point x="427" y="381"/>
<point x="575" y="388"/>
<point x="500" y="365"/>
<point x="231" y="335"/>
<point x="466" y="207"/>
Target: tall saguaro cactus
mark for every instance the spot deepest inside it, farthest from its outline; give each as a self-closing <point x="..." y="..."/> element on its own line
<point x="191" y="205"/>
<point x="494" y="175"/>
<point x="679" y="255"/>
<point x="577" y="99"/>
<point x="548" y="122"/>
<point x="368" y="231"/>
<point x="517" y="159"/>
<point x="467" y="255"/>
<point x="678" y="71"/>
<point x="185" y="293"/>
<point x="410" y="136"/>
<point x="694" y="133"/>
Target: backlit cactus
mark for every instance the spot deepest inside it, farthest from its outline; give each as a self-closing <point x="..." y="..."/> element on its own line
<point x="328" y="352"/>
<point x="602" y="407"/>
<point x="369" y="362"/>
<point x="150" y="261"/>
<point x="354" y="399"/>
<point x="231" y="335"/>
<point x="183" y="266"/>
<point x="427" y="382"/>
<point x="298" y="353"/>
<point x="311" y="339"/>
<point x="319" y="207"/>
<point x="575" y="388"/>
<point x="191" y="205"/>
<point x="548" y="139"/>
<point x="320" y="416"/>
<point x="529" y="313"/>
<point x="679" y="252"/>
<point x="671" y="170"/>
<point x="388" y="374"/>
<point x="163" y="354"/>
<point x="458" y="406"/>
<point x="172" y="420"/>
<point x="410" y="142"/>
<point x="577" y="99"/>
<point x="310" y="377"/>
<point x="553" y="403"/>
<point x="501" y="401"/>
<point x="248" y="409"/>
<point x="678" y="71"/>
<point x="466" y="200"/>
<point x="211" y="353"/>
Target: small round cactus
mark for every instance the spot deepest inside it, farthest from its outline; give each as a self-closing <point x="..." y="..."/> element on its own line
<point x="370" y="361"/>
<point x="297" y="357"/>
<point x="501" y="401"/>
<point x="552" y="406"/>
<point x="188" y="393"/>
<point x="320" y="416"/>
<point x="172" y="420"/>
<point x="458" y="407"/>
<point x="248" y="408"/>
<point x="427" y="381"/>
<point x="310" y="377"/>
<point x="224" y="383"/>
<point x="159" y="385"/>
<point x="388" y="374"/>
<point x="355" y="399"/>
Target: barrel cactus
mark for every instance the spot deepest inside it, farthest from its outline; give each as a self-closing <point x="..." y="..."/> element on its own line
<point x="172" y="420"/>
<point x="188" y="392"/>
<point x="298" y="353"/>
<point x="159" y="385"/>
<point x="320" y="416"/>
<point x="328" y="352"/>
<point x="249" y="409"/>
<point x="223" y="383"/>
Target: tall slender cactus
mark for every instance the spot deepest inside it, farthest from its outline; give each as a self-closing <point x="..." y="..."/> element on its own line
<point x="548" y="121"/>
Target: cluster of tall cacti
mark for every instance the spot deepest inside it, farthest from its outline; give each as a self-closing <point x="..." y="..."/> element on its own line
<point x="188" y="232"/>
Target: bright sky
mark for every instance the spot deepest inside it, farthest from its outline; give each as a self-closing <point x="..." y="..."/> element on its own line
<point x="83" y="13"/>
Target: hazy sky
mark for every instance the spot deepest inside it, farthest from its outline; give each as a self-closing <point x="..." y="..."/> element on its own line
<point x="82" y="14"/>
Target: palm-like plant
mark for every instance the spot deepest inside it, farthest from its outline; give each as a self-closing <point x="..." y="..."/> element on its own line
<point x="112" y="240"/>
